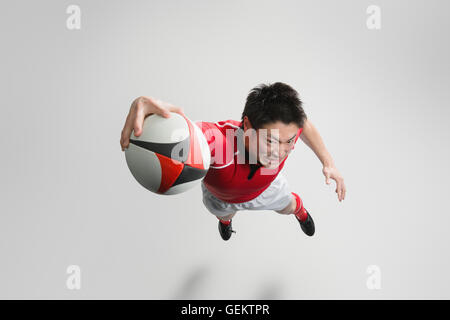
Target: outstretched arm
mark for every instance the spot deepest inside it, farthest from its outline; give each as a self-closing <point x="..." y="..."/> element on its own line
<point x="311" y="137"/>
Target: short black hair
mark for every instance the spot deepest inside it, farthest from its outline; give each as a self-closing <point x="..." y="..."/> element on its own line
<point x="268" y="103"/>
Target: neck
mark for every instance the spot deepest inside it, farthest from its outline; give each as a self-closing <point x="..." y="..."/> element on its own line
<point x="247" y="153"/>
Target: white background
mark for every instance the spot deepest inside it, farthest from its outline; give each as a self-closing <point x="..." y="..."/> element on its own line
<point x="379" y="98"/>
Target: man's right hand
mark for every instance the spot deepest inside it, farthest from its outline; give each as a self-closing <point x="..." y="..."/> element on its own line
<point x="139" y="110"/>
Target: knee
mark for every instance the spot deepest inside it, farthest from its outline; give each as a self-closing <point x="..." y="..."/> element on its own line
<point x="290" y="208"/>
<point x="227" y="217"/>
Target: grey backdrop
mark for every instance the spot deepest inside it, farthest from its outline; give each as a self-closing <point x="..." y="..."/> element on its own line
<point x="378" y="97"/>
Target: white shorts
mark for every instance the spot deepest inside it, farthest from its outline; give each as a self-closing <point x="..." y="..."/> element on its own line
<point x="276" y="197"/>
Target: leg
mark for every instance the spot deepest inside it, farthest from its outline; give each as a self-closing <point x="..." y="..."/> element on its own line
<point x="227" y="217"/>
<point x="225" y="228"/>
<point x="217" y="207"/>
<point x="223" y="211"/>
<point x="295" y="207"/>
<point x="278" y="195"/>
<point x="290" y="208"/>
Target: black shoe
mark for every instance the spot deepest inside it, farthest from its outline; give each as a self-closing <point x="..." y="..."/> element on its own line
<point x="307" y="225"/>
<point x="225" y="230"/>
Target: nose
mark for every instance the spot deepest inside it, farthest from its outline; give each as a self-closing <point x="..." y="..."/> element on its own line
<point x="280" y="153"/>
<point x="284" y="150"/>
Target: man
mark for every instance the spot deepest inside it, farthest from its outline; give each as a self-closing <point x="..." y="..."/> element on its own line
<point x="248" y="155"/>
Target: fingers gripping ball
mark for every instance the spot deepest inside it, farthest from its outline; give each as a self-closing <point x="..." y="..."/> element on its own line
<point x="170" y="156"/>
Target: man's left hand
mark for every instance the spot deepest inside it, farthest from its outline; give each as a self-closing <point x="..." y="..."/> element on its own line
<point x="330" y="172"/>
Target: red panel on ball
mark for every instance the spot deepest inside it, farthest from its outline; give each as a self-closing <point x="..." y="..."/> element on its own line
<point x="170" y="170"/>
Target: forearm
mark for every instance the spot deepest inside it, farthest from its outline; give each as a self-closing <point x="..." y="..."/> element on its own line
<point x="311" y="137"/>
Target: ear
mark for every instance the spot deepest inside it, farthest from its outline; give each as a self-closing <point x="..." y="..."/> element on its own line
<point x="247" y="124"/>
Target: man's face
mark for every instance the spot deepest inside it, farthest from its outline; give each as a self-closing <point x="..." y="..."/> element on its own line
<point x="274" y="141"/>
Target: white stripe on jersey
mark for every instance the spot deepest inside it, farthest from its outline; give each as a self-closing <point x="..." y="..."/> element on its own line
<point x="226" y="123"/>
<point x="231" y="125"/>
<point x="225" y="165"/>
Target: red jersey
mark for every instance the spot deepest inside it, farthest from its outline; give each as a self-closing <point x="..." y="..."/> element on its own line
<point x="231" y="178"/>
